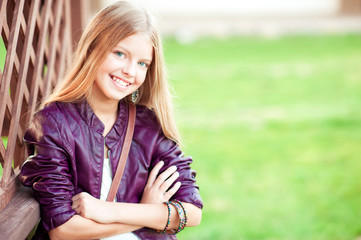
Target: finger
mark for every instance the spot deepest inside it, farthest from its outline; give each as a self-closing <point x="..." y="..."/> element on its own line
<point x="172" y="191"/>
<point x="79" y="196"/>
<point x="153" y="174"/>
<point x="84" y="195"/>
<point x="164" y="187"/>
<point x="75" y="197"/>
<point x="164" y="176"/>
<point x="75" y="205"/>
<point x="75" y="200"/>
<point x="77" y="210"/>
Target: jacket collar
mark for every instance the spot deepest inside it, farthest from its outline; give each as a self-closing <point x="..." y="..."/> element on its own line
<point x="118" y="129"/>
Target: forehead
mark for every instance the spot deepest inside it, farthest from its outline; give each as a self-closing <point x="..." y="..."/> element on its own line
<point x="138" y="44"/>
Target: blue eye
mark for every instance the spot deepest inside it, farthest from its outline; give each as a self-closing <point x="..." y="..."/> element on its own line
<point x="143" y="64"/>
<point x="119" y="54"/>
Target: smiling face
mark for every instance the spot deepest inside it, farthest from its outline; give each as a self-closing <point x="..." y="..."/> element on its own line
<point x="124" y="69"/>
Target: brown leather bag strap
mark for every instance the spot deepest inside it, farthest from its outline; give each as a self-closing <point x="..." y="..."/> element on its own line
<point x="124" y="154"/>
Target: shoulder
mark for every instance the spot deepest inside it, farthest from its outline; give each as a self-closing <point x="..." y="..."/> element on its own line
<point x="53" y="109"/>
<point x="147" y="132"/>
<point x="46" y="115"/>
<point x="52" y="119"/>
<point x="150" y="130"/>
<point x="146" y="117"/>
<point x="58" y="108"/>
<point x="56" y="111"/>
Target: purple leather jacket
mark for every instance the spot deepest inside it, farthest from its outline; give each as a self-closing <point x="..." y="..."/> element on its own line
<point x="66" y="149"/>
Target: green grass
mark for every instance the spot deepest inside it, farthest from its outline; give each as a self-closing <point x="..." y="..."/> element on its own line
<point x="274" y="130"/>
<point x="5" y="142"/>
<point x="2" y="54"/>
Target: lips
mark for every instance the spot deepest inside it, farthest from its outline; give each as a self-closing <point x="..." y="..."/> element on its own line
<point x="119" y="81"/>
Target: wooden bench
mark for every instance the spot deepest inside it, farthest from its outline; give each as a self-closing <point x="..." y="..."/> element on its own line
<point x="37" y="39"/>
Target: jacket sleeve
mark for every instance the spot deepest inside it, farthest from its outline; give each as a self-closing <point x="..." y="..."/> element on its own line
<point x="47" y="170"/>
<point x="169" y="152"/>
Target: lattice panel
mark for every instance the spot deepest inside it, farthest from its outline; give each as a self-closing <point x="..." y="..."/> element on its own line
<point x="37" y="39"/>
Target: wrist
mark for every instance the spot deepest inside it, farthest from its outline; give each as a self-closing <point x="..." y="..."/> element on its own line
<point x="115" y="213"/>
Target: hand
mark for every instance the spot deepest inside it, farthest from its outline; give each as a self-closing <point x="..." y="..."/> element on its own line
<point x="90" y="207"/>
<point x="155" y="190"/>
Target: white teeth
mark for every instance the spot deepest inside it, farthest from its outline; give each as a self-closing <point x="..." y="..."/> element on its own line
<point x="120" y="82"/>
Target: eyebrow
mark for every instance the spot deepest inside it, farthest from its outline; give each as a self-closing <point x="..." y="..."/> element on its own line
<point x="127" y="52"/>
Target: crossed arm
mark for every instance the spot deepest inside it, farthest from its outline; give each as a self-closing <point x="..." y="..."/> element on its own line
<point x="98" y="219"/>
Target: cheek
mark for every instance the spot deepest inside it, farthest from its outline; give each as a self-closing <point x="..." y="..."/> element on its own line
<point x="141" y="77"/>
<point x="108" y="65"/>
<point x="101" y="75"/>
<point x="102" y="70"/>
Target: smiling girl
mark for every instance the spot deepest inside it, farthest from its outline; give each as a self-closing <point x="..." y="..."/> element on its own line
<point x="75" y="140"/>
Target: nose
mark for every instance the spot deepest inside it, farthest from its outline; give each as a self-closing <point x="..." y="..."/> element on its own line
<point x="129" y="68"/>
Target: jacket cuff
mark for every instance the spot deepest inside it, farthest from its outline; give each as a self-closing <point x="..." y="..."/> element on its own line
<point x="57" y="220"/>
<point x="192" y="197"/>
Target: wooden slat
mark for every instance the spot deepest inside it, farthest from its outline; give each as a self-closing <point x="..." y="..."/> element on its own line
<point x="38" y="65"/>
<point x="77" y="21"/>
<point x="9" y="105"/>
<point x="17" y="64"/>
<point x="38" y="20"/>
<point x="22" y="22"/>
<point x="16" y="109"/>
<point x="64" y="37"/>
<point x="68" y="26"/>
<point x="63" y="53"/>
<point x="9" y="190"/>
<point x="10" y="56"/>
<point x="23" y="76"/>
<point x="2" y="12"/>
<point x="7" y="35"/>
<point x="20" y="216"/>
<point x="2" y="152"/>
<point x="53" y="42"/>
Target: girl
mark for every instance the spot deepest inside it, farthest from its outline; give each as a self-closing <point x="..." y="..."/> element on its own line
<point x="75" y="140"/>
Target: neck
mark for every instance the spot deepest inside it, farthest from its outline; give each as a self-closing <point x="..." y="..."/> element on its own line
<point x="102" y="108"/>
<point x="105" y="110"/>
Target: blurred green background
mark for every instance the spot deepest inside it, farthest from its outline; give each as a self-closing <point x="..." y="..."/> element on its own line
<point x="273" y="126"/>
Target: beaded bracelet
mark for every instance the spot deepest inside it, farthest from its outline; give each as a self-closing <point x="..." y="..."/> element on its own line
<point x="168" y="221"/>
<point x="182" y="215"/>
<point x="185" y="213"/>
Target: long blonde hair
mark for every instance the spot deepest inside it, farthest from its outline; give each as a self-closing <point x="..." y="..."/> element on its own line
<point x="108" y="27"/>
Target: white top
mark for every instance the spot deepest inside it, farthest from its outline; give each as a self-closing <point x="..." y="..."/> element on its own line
<point x="106" y="182"/>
